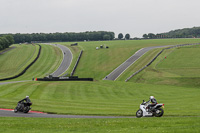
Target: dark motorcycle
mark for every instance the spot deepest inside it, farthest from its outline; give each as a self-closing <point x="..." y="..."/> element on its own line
<point x="23" y="107"/>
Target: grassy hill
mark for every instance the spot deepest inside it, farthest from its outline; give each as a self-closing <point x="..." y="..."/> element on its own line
<point x="15" y="60"/>
<point x="99" y="63"/>
<point x="181" y="67"/>
<point x="183" y="61"/>
<point x="178" y="90"/>
<point x="48" y="62"/>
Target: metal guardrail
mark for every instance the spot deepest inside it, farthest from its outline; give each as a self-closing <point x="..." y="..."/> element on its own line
<point x="65" y="79"/>
<point x="180" y="45"/>
<point x="75" y="66"/>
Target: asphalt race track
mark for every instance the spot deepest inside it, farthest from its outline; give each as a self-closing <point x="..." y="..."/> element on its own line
<point x="67" y="59"/>
<point x="6" y="113"/>
<point x="119" y="70"/>
<point x="3" y="83"/>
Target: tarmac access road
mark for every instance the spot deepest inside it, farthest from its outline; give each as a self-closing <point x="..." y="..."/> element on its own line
<point x="66" y="62"/>
<point x="120" y="69"/>
<point x="10" y="113"/>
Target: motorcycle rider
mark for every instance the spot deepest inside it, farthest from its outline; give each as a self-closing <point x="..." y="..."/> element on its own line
<point x="24" y="101"/>
<point x="152" y="102"/>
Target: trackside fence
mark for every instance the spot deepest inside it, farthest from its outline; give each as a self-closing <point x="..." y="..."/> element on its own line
<point x="180" y="45"/>
<point x="75" y="66"/>
<point x="66" y="79"/>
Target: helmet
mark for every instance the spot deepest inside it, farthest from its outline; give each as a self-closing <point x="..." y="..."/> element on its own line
<point x="27" y="96"/>
<point x="151" y="97"/>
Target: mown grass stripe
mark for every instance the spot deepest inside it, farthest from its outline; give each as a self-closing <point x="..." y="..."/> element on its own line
<point x="13" y="91"/>
<point x="16" y="60"/>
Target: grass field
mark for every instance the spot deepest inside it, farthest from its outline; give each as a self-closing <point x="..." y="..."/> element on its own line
<point x="178" y="90"/>
<point x="15" y="60"/>
<point x="48" y="62"/>
<point x="148" y="125"/>
<point x="99" y="63"/>
<point x="183" y="61"/>
<point x="100" y="98"/>
<point x="181" y="68"/>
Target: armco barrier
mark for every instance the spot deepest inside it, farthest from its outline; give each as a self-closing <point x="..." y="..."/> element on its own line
<point x="70" y="79"/>
<point x="20" y="74"/>
<point x="180" y="45"/>
<point x="75" y="66"/>
<point x="75" y="44"/>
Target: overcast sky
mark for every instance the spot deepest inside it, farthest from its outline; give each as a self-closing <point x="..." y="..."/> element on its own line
<point x="135" y="17"/>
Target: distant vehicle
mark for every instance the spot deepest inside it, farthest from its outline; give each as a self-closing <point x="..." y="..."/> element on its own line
<point x="156" y="111"/>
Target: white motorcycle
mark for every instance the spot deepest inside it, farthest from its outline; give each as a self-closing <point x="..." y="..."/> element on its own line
<point x="156" y="110"/>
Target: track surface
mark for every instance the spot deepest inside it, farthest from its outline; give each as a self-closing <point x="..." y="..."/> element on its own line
<point x="67" y="59"/>
<point x="6" y="113"/>
<point x="7" y="50"/>
<point x="3" y="83"/>
<point x="119" y="70"/>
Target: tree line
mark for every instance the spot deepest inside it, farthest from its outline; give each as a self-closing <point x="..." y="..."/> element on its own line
<point x="179" y="33"/>
<point x="6" y="41"/>
<point x="67" y="36"/>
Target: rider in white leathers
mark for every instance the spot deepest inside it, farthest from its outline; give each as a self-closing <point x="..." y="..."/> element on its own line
<point x="152" y="102"/>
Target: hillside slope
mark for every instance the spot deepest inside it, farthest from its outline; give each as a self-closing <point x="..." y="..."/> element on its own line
<point x="178" y="66"/>
<point x="99" y="63"/>
<point x="15" y="60"/>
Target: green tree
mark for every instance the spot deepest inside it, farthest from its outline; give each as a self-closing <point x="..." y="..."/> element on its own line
<point x="127" y="36"/>
<point x="10" y="39"/>
<point x="106" y="37"/>
<point x="120" y="35"/>
<point x="145" y="36"/>
<point x="1" y="44"/>
<point x="4" y="43"/>
<point x="67" y="36"/>
<point x="151" y="35"/>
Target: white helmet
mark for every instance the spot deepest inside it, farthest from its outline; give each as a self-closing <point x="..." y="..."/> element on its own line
<point x="151" y="97"/>
<point x="27" y="96"/>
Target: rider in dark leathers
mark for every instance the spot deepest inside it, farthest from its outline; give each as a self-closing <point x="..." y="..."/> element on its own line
<point x="153" y="102"/>
<point x="24" y="101"/>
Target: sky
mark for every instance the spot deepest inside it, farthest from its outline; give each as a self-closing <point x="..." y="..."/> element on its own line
<point x="135" y="17"/>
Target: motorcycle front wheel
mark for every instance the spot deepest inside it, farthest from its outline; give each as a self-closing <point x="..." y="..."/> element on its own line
<point x="159" y="112"/>
<point x="139" y="113"/>
<point x="15" y="110"/>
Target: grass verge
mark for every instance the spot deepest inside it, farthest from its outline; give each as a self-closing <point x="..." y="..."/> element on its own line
<point x="149" y="125"/>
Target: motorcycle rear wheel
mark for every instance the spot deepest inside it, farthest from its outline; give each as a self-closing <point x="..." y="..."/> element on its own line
<point x="139" y="113"/>
<point x="159" y="112"/>
<point x="26" y="109"/>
